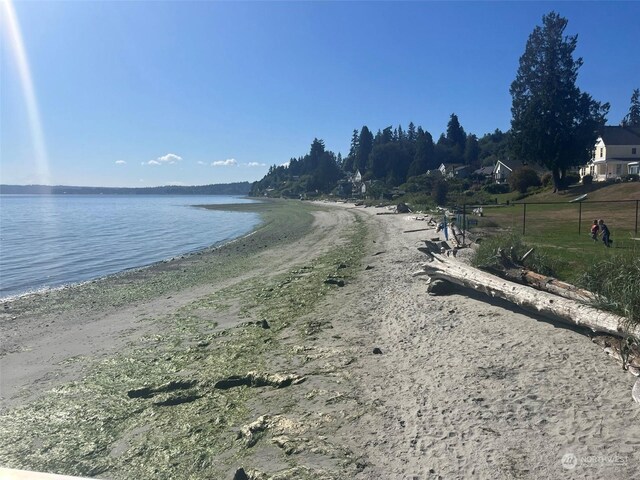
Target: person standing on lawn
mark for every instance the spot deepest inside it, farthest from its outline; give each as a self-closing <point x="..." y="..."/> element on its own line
<point x="594" y="231"/>
<point x="604" y="231"/>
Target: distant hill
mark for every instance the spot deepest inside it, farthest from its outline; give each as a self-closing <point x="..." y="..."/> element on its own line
<point x="238" y="188"/>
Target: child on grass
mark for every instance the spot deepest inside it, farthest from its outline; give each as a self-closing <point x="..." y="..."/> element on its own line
<point x="594" y="231"/>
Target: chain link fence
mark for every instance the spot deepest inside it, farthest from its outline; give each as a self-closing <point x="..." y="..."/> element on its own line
<point x="567" y="223"/>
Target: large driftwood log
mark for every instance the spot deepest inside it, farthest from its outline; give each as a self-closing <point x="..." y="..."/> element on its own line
<point x="569" y="311"/>
<point x="543" y="282"/>
<point x="516" y="272"/>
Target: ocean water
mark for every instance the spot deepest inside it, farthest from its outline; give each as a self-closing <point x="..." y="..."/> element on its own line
<point x="53" y="240"/>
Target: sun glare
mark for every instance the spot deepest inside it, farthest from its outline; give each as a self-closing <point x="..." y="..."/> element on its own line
<point x="13" y="37"/>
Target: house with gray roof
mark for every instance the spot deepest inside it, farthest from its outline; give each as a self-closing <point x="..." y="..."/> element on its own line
<point x="504" y="168"/>
<point x="616" y="153"/>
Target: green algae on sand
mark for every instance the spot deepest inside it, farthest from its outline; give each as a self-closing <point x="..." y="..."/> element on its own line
<point x="152" y="410"/>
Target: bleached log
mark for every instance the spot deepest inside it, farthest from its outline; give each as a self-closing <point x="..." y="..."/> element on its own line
<point x="557" y="287"/>
<point x="544" y="303"/>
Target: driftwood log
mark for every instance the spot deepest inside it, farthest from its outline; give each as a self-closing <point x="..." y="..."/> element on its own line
<point x="516" y="272"/>
<point x="570" y="311"/>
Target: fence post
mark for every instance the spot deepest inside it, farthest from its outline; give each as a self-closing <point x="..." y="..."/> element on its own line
<point x="637" y="201"/>
<point x="579" y="217"/>
<point x="464" y="221"/>
<point x="524" y="218"/>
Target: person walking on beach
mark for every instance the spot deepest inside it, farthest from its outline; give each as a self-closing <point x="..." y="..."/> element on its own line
<point x="594" y="231"/>
<point x="604" y="231"/>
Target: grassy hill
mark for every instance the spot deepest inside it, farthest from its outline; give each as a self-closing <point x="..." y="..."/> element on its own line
<point x="595" y="192"/>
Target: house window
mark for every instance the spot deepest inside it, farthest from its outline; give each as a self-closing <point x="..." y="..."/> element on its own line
<point x="601" y="152"/>
<point x="633" y="151"/>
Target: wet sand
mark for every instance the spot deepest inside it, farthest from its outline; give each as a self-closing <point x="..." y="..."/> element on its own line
<point x="462" y="387"/>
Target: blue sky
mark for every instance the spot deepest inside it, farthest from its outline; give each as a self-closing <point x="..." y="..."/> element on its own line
<point x="154" y="93"/>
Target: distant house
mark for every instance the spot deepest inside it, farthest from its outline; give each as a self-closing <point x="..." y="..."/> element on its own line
<point x="358" y="186"/>
<point x="485" y="172"/>
<point x="454" y="170"/>
<point x="504" y="168"/>
<point x="616" y="153"/>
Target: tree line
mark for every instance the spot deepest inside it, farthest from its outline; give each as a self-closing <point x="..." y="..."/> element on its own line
<point x="238" y="188"/>
<point x="554" y="124"/>
<point x="391" y="156"/>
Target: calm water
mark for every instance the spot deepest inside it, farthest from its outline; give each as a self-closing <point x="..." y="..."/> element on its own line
<point x="53" y="240"/>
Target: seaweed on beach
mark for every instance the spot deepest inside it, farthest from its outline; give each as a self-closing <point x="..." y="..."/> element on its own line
<point x="152" y="411"/>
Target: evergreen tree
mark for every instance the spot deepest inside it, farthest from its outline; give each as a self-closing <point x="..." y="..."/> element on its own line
<point x="632" y="119"/>
<point x="365" y="144"/>
<point x="553" y="122"/>
<point x="493" y="147"/>
<point x="424" y="158"/>
<point x="411" y="132"/>
<point x="471" y="150"/>
<point x="387" y="135"/>
<point x="456" y="137"/>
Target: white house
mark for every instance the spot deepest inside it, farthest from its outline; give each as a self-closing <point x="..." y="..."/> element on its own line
<point x="504" y="168"/>
<point x="358" y="186"/>
<point x="452" y="170"/>
<point x="616" y="153"/>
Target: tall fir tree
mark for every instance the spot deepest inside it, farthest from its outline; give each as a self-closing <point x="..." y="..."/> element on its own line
<point x="365" y="145"/>
<point x="553" y="122"/>
<point x="456" y="136"/>
<point x="424" y="158"/>
<point x="411" y="132"/>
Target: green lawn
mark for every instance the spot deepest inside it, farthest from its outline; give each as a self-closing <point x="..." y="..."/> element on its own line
<point x="557" y="231"/>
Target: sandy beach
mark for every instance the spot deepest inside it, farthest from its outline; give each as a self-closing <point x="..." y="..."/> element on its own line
<point x="260" y="356"/>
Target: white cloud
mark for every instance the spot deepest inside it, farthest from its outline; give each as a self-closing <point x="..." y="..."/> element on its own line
<point x="229" y="162"/>
<point x="285" y="165"/>
<point x="168" y="159"/>
<point x="256" y="164"/>
<point x="200" y="162"/>
<point x="120" y="162"/>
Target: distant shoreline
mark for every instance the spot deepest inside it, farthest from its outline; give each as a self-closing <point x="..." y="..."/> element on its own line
<point x="237" y="188"/>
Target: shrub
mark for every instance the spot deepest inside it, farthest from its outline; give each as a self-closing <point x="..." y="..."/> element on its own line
<point x="631" y="177"/>
<point x="616" y="283"/>
<point x="439" y="192"/>
<point x="587" y="180"/>
<point x="486" y="256"/>
<point x="523" y="178"/>
<point x="496" y="188"/>
<point x="546" y="179"/>
<point x="570" y="178"/>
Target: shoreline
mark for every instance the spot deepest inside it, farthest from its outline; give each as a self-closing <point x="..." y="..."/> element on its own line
<point x="385" y="381"/>
<point x="180" y="256"/>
